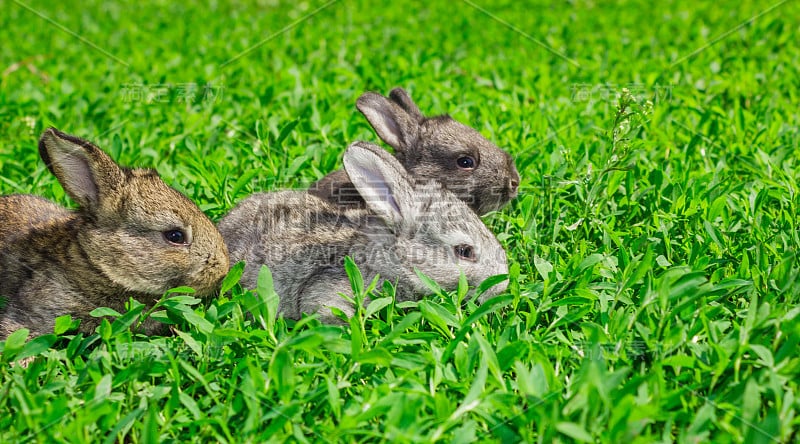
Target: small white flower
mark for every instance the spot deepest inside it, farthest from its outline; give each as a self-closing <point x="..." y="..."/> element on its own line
<point x="30" y="121"/>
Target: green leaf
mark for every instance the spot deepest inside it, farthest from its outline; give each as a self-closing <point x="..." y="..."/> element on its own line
<point x="293" y="167"/>
<point x="191" y="406"/>
<point x="438" y="316"/>
<point x="64" y="324"/>
<point x="104" y="311"/>
<point x="463" y="287"/>
<point x="191" y="342"/>
<point x="281" y="371"/>
<point x="487" y="307"/>
<point x="180" y="290"/>
<point x="543" y="267"/>
<point x="231" y="333"/>
<point x="37" y="346"/>
<point x="239" y="185"/>
<point x="764" y="354"/>
<point x="430" y="283"/>
<point x="333" y="397"/>
<point x="104" y="329"/>
<point x="662" y="261"/>
<point x="490" y="358"/>
<point x="124" y="424"/>
<point x="574" y="431"/>
<point x="531" y="382"/>
<point x="184" y="300"/>
<point x="232" y="278"/>
<point x="102" y="389"/>
<point x="678" y="361"/>
<point x="354" y="275"/>
<point x="489" y="282"/>
<point x="379" y="356"/>
<point x="473" y="398"/>
<point x="309" y="340"/>
<point x="194" y="319"/>
<point x="150" y="427"/>
<point x="285" y="131"/>
<point x="123" y="322"/>
<point x="356" y="336"/>
<point x="267" y="294"/>
<point x="377" y="305"/>
<point x="405" y="323"/>
<point x="590" y="261"/>
<point x="16" y="340"/>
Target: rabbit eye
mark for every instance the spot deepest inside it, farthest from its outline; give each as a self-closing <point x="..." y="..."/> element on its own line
<point x="175" y="237"/>
<point x="466" y="162"/>
<point x="465" y="252"/>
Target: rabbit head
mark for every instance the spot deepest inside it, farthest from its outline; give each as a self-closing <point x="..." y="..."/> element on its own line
<point x="145" y="236"/>
<point x="441" y="148"/>
<point x="417" y="224"/>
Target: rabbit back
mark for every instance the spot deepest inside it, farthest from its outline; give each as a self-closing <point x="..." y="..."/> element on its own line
<point x="301" y="238"/>
<point x="36" y="241"/>
<point x="21" y="213"/>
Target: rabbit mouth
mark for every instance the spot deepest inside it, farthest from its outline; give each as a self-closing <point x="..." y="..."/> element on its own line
<point x="512" y="191"/>
<point x="495" y="204"/>
<point x="207" y="281"/>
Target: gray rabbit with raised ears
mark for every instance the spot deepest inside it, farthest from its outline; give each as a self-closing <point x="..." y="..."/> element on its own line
<point x="440" y="148"/>
<point x="132" y="235"/>
<point x="406" y="224"/>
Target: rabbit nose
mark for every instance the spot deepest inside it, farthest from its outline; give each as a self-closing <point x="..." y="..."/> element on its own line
<point x="513" y="182"/>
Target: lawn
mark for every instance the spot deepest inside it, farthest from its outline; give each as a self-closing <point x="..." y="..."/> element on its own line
<point x="654" y="292"/>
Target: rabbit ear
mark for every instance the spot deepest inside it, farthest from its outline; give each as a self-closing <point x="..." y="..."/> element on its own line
<point x="381" y="180"/>
<point x="84" y="170"/>
<point x="401" y="97"/>
<point x="393" y="124"/>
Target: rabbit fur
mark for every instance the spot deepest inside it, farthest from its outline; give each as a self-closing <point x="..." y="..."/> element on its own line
<point x="54" y="261"/>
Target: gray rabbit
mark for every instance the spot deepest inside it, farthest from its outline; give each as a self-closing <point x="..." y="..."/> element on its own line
<point x="132" y="236"/>
<point x="406" y="224"/>
<point x="440" y="148"/>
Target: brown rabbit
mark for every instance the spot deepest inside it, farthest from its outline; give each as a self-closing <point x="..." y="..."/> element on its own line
<point x="439" y="148"/>
<point x="132" y="236"/>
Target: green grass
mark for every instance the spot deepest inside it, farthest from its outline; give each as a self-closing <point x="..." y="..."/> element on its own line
<point x="654" y="291"/>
